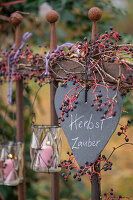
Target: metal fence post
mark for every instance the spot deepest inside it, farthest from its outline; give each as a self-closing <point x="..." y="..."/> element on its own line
<point x="52" y="17"/>
<point x="95" y="14"/>
<point x="16" y="19"/>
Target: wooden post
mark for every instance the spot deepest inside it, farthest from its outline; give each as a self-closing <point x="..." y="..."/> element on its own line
<point x="95" y="14"/>
<point x="52" y="17"/>
<point x="16" y="19"/>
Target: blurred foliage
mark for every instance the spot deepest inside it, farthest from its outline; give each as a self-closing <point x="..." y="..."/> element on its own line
<point x="73" y="24"/>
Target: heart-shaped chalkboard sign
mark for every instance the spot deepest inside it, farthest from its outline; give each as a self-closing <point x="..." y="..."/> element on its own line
<point x="87" y="133"/>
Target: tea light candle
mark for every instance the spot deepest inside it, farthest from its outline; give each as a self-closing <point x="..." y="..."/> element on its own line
<point x="8" y="170"/>
<point x="45" y="155"/>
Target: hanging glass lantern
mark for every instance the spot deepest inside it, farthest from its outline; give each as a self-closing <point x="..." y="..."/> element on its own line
<point x="11" y="163"/>
<point x="45" y="148"/>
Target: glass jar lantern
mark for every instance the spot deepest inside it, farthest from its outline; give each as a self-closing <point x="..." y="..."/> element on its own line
<point x="11" y="163"/>
<point x="45" y="148"/>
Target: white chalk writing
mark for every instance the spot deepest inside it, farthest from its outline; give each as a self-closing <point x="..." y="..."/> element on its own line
<point x="79" y="123"/>
<point x="86" y="143"/>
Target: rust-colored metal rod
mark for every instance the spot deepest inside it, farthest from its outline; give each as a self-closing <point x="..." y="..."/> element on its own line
<point x="20" y="132"/>
<point x="52" y="17"/>
<point x="95" y="189"/>
<point x="95" y="14"/>
<point x="55" y="194"/>
<point x="96" y="185"/>
<point x="16" y="19"/>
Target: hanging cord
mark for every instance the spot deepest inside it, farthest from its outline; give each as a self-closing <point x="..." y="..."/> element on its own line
<point x="10" y="84"/>
<point x="14" y="127"/>
<point x="58" y="47"/>
<point x="87" y="66"/>
<point x="86" y="72"/>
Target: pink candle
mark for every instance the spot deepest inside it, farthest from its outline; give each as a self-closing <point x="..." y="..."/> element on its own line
<point x="8" y="171"/>
<point x="45" y="155"/>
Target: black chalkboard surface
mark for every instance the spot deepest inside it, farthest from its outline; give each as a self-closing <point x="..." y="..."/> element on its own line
<point x="87" y="133"/>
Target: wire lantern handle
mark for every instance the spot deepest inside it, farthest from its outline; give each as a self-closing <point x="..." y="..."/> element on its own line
<point x="33" y="118"/>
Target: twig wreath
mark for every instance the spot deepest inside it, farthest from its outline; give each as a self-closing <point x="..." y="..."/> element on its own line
<point x="106" y="54"/>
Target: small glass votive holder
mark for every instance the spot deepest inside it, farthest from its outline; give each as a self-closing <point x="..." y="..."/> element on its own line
<point x="11" y="163"/>
<point x="45" y="148"/>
